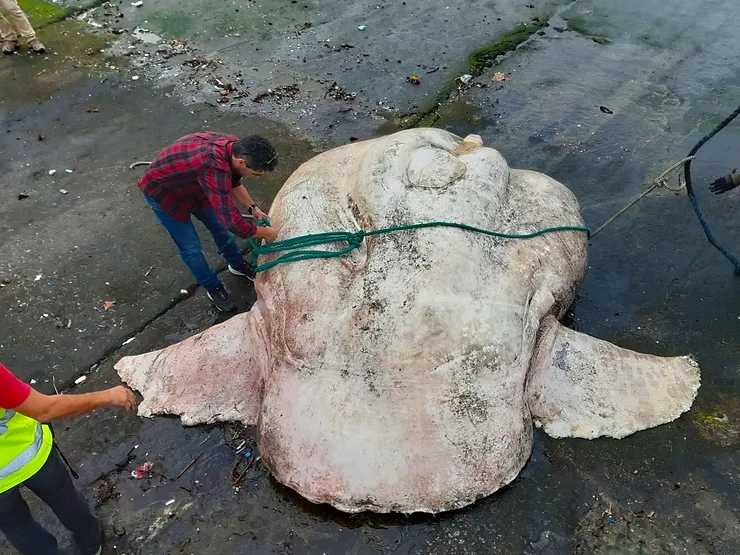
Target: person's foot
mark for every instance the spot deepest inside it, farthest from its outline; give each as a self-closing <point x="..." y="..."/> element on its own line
<point x="36" y="46"/>
<point x="221" y="298"/>
<point x="10" y="46"/>
<point x="245" y="269"/>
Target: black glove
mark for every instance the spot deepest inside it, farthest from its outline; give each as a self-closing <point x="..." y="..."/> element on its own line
<point x="723" y="184"/>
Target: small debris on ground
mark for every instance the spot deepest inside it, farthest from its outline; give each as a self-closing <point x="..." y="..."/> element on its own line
<point x="137" y="4"/>
<point x="69" y="171"/>
<point x="52" y="172"/>
<point x="200" y="63"/>
<point x="414" y="80"/>
<point x="143" y="471"/>
<point x="605" y="110"/>
<point x="361" y="27"/>
<point x="128" y="341"/>
<point x="93" y="110"/>
<point x="278" y="93"/>
<point x="465" y="79"/>
<point x="107" y="305"/>
<point x="21" y="196"/>
<point x="498" y="77"/>
<point x="79" y="380"/>
<point x="63" y="191"/>
<point x="40" y="137"/>
<point x="337" y="92"/>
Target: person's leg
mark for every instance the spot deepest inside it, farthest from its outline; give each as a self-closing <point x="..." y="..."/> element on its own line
<point x="188" y="244"/>
<point x="19" y="527"/>
<point x="54" y="486"/>
<point x="20" y="21"/>
<point x="7" y="33"/>
<point x="224" y="239"/>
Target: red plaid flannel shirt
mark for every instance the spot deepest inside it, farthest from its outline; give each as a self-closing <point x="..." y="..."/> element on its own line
<point x="194" y="174"/>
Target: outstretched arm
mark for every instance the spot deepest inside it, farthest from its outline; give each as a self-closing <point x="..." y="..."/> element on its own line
<point x="45" y="408"/>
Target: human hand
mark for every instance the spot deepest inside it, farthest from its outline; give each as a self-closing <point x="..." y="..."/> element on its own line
<point x="122" y="397"/>
<point x="258" y="213"/>
<point x="722" y="185"/>
<point x="267" y="233"/>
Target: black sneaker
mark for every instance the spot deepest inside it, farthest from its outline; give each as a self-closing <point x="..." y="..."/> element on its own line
<point x="221" y="298"/>
<point x="245" y="270"/>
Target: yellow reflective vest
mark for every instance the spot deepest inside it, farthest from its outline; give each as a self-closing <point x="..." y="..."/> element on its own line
<point x="25" y="445"/>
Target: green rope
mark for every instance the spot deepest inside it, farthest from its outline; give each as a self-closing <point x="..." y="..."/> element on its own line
<point x="298" y="248"/>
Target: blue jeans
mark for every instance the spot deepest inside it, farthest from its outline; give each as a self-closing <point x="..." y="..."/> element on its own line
<point x="188" y="243"/>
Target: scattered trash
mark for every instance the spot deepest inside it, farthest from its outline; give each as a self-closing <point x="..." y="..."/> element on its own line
<point x="137" y="4"/>
<point x="433" y="70"/>
<point x="134" y="77"/>
<point x="93" y="110"/>
<point x="21" y="196"/>
<point x="353" y="139"/>
<point x="183" y="291"/>
<point x="79" y="380"/>
<point x="651" y="514"/>
<point x="170" y="502"/>
<point x="466" y="79"/>
<point x="414" y="80"/>
<point x="498" y="77"/>
<point x="199" y="63"/>
<point x="40" y="137"/>
<point x="128" y="341"/>
<point x="184" y="470"/>
<point x="107" y="305"/>
<point x="50" y="283"/>
<point x="32" y="381"/>
<point x="143" y="471"/>
<point x="52" y="172"/>
<point x="69" y="171"/>
<point x="605" y="110"/>
<point x="63" y="191"/>
<point x="149" y="271"/>
<point x="337" y="92"/>
<point x="361" y="27"/>
<point x="278" y="93"/>
<point x="37" y="278"/>
<point x="69" y="323"/>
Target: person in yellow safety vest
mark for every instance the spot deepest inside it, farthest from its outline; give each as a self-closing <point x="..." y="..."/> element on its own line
<point x="27" y="458"/>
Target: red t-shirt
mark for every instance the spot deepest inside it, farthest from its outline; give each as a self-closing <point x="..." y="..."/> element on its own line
<point x="12" y="391"/>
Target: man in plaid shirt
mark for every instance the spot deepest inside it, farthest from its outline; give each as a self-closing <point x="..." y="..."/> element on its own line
<point x="200" y="175"/>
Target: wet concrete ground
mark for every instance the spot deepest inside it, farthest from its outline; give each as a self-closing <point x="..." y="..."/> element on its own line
<point x="666" y="70"/>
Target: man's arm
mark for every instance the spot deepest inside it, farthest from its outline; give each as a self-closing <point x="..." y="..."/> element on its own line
<point x="242" y="196"/>
<point x="45" y="408"/>
<point x="217" y="186"/>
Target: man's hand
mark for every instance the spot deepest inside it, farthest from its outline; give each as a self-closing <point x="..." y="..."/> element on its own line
<point x="269" y="234"/>
<point x="724" y="184"/>
<point x="122" y="397"/>
<point x="258" y="213"/>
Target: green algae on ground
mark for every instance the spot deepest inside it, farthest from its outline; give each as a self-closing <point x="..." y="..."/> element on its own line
<point x="719" y="420"/>
<point x="578" y="25"/>
<point x="483" y="57"/>
<point x="478" y="61"/>
<point x="74" y="55"/>
<point x="41" y="14"/>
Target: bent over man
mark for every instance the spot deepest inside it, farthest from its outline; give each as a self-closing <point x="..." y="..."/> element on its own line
<point x="200" y="175"/>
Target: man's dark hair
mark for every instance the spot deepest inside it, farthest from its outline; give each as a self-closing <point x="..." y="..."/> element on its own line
<point x="257" y="152"/>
